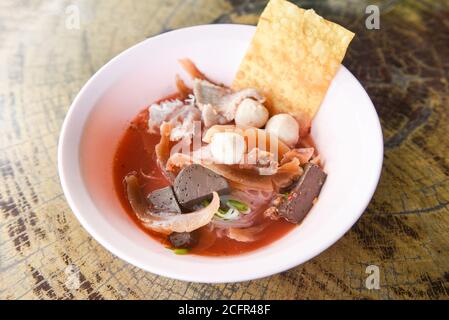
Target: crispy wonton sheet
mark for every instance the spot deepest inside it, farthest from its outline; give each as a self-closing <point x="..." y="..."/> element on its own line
<point x="292" y="59"/>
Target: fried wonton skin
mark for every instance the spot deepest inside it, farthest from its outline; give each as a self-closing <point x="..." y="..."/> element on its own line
<point x="292" y="59"/>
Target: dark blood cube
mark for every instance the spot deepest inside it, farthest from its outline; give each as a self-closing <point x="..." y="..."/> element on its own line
<point x="196" y="183"/>
<point x="163" y="200"/>
<point x="297" y="203"/>
<point x="183" y="239"/>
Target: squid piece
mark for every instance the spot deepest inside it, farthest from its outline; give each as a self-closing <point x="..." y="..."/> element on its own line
<point x="163" y="151"/>
<point x="183" y="89"/>
<point x="178" y="161"/>
<point x="249" y="179"/>
<point x="246" y="234"/>
<point x="192" y="70"/>
<point x="302" y="154"/>
<point x="287" y="174"/>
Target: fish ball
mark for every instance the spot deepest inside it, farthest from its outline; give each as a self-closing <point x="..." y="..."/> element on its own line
<point x="285" y="127"/>
<point x="227" y="147"/>
<point x="251" y="113"/>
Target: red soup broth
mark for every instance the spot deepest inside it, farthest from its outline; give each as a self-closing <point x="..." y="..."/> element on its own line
<point x="135" y="153"/>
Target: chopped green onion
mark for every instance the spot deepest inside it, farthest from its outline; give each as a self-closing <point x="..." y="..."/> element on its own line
<point x="180" y="251"/>
<point x="205" y="203"/>
<point x="286" y="194"/>
<point x="231" y="214"/>
<point x="240" y="206"/>
<point x="222" y="211"/>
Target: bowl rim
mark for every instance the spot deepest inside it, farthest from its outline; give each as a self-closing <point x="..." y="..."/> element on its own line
<point x="118" y="252"/>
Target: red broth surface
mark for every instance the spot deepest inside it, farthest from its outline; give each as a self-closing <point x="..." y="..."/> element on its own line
<point x="135" y="152"/>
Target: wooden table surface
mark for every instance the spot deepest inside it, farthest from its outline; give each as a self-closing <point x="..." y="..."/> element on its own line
<point x="404" y="66"/>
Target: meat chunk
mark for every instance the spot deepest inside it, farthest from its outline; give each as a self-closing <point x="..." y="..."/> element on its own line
<point x="218" y="104"/>
<point x="263" y="162"/>
<point x="294" y="205"/>
<point x="195" y="183"/>
<point x="302" y="154"/>
<point x="163" y="200"/>
<point x="183" y="117"/>
<point x="286" y="176"/>
<point x="183" y="239"/>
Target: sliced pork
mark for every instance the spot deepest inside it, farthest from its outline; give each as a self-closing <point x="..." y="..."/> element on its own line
<point x="218" y="104"/>
<point x="184" y="118"/>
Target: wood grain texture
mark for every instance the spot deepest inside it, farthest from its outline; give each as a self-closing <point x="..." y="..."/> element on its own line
<point x="404" y="66"/>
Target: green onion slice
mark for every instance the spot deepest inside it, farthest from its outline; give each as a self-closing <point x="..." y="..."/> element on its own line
<point x="205" y="203"/>
<point x="231" y="214"/>
<point x="240" y="206"/>
<point x="180" y="251"/>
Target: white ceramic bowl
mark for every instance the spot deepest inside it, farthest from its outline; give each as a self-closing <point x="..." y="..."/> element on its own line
<point x="346" y="131"/>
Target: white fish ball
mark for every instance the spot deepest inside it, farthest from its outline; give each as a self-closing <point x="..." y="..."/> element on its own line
<point x="227" y="147"/>
<point x="251" y="113"/>
<point x="285" y="127"/>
